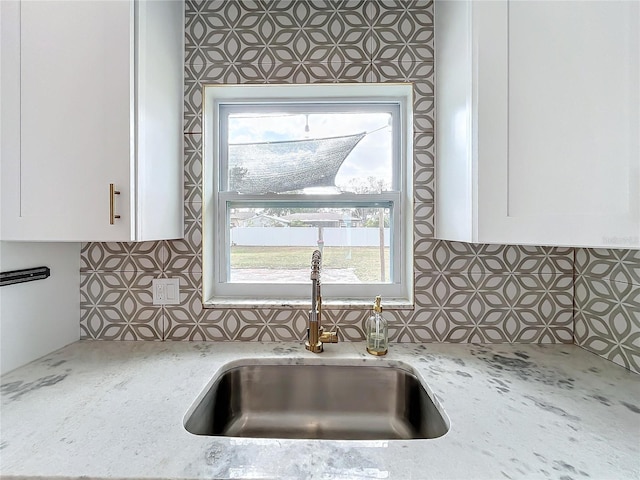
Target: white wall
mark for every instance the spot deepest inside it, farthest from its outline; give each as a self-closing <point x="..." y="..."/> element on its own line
<point x="38" y="317"/>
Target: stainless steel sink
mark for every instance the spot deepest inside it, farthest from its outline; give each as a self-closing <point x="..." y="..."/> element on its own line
<point x="337" y="402"/>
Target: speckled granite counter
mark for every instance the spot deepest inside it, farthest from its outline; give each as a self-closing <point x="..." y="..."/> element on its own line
<point x="116" y="409"/>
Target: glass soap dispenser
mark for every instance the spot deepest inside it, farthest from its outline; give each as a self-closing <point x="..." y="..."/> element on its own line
<point x="377" y="336"/>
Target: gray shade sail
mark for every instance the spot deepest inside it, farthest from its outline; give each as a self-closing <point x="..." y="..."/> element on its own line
<point x="276" y="167"/>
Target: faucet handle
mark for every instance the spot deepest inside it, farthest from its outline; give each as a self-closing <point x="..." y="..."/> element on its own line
<point x="330" y="337"/>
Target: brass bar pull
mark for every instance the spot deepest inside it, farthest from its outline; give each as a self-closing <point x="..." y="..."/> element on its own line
<point x="112" y="203"/>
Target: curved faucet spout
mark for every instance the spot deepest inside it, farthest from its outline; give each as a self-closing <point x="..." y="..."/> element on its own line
<point x="316" y="266"/>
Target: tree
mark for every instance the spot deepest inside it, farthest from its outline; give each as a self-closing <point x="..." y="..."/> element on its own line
<point x="368" y="216"/>
<point x="369" y="185"/>
<point x="281" y="211"/>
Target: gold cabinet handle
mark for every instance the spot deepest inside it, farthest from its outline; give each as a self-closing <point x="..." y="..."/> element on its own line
<point x="112" y="203"/>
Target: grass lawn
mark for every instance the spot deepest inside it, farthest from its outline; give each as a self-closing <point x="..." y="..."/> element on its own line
<point x="364" y="260"/>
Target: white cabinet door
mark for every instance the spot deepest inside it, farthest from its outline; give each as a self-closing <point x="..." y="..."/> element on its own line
<point x="75" y="112"/>
<point x="538" y="114"/>
<point x="94" y="94"/>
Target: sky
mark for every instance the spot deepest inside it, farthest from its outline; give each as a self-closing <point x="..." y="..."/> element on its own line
<point x="371" y="157"/>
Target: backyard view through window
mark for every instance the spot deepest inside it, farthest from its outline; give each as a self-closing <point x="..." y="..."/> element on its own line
<point x="309" y="150"/>
<point x="296" y="175"/>
<point x="273" y="245"/>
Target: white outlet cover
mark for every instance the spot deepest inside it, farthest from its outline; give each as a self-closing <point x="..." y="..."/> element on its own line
<point x="166" y="291"/>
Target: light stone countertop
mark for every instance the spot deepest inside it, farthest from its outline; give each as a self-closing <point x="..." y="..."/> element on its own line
<point x="115" y="410"/>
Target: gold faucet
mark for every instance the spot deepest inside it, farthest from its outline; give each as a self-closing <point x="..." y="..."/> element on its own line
<point x="316" y="335"/>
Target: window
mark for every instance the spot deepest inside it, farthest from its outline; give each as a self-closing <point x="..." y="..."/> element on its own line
<point x="293" y="168"/>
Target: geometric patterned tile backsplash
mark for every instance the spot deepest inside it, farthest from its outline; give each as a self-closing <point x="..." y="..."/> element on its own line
<point x="607" y="304"/>
<point x="464" y="292"/>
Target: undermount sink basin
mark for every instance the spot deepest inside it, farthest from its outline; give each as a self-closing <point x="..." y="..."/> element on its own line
<point x="336" y="402"/>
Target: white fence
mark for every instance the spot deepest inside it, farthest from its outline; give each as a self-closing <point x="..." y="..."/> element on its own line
<point x="308" y="236"/>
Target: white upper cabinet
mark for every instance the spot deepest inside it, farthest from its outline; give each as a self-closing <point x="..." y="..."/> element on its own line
<point x="538" y="131"/>
<point x="92" y="95"/>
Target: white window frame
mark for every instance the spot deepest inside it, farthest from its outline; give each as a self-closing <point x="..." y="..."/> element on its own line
<point x="216" y="291"/>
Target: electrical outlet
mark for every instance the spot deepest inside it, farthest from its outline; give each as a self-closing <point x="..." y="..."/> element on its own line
<point x="166" y="291"/>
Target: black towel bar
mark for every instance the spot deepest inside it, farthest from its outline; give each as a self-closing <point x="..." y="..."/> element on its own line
<point x="26" y="275"/>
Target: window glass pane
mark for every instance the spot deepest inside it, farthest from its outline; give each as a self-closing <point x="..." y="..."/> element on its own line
<point x="274" y="245"/>
<point x="309" y="152"/>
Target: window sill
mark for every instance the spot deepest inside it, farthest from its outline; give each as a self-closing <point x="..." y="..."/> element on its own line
<point x="344" y="304"/>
